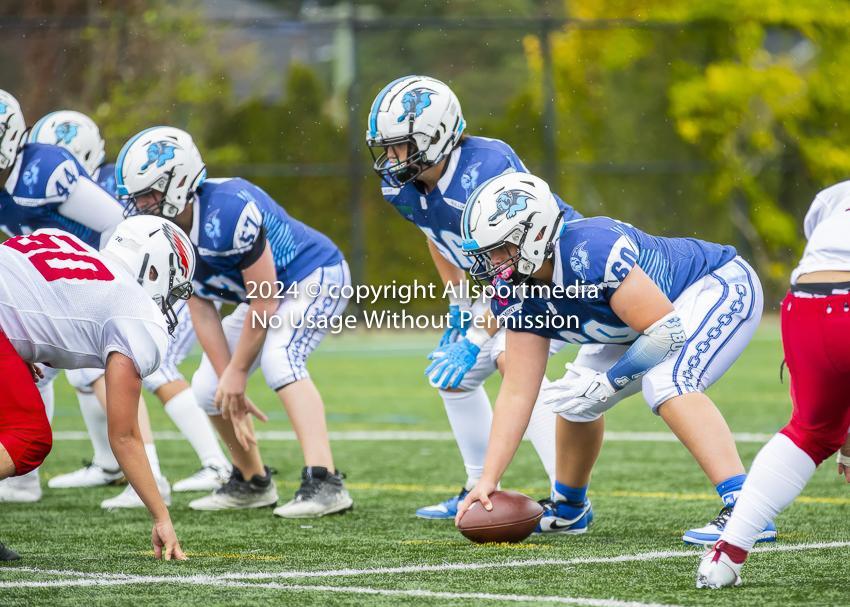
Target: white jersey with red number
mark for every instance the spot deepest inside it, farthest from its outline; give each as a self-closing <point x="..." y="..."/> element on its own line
<point x="65" y="305"/>
<point x="827" y="226"/>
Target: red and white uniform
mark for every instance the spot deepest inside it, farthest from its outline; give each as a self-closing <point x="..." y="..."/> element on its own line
<point x="64" y="305"/>
<point x="816" y="341"/>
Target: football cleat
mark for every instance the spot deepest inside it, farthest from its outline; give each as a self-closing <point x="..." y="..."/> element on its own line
<point x="237" y="493"/>
<point x="717" y="569"/>
<point x="90" y="476"/>
<point x="710" y="534"/>
<point x="446" y="509"/>
<point x="130" y="499"/>
<point x="565" y="518"/>
<point x="320" y="493"/>
<point x="20" y="489"/>
<point x="8" y="555"/>
<point x="208" y="478"/>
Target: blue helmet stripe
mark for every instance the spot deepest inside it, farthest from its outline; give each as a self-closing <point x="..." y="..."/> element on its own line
<point x="120" y="188"/>
<point x="373" y="116"/>
<point x="37" y="127"/>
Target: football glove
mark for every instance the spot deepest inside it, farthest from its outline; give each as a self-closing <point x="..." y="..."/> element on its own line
<point x="457" y="325"/>
<point x="580" y="389"/>
<point x="453" y="360"/>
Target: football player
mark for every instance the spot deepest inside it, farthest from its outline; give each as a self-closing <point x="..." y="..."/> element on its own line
<point x="79" y="134"/>
<point x="48" y="188"/>
<point x="815" y="337"/>
<point x="429" y="166"/>
<point x="104" y="310"/>
<point x="286" y="280"/>
<point x="682" y="309"/>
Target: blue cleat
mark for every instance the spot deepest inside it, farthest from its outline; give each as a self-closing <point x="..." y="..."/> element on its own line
<point x="446" y="509"/>
<point x="564" y="517"/>
<point x="710" y="534"/>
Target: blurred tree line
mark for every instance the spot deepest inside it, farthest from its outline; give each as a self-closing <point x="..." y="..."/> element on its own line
<point x="717" y="119"/>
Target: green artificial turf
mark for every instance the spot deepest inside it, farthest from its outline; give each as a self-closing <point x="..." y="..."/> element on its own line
<point x="644" y="493"/>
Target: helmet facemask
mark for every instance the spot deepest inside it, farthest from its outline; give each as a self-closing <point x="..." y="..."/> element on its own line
<point x="158" y="207"/>
<point x="397" y="173"/>
<point x="175" y="292"/>
<point x="4" y="127"/>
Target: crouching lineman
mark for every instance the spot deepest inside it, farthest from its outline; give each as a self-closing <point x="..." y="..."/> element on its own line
<point x="282" y="274"/>
<point x="688" y="308"/>
<point x="79" y="135"/>
<point x="105" y="310"/>
<point x="815" y="337"/>
<point x="429" y="166"/>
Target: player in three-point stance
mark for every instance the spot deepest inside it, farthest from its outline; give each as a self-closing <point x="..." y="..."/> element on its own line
<point x="78" y="134"/>
<point x="686" y="308"/>
<point x="429" y="166"/>
<point x="103" y="310"/>
<point x="249" y="250"/>
<point x="815" y="337"/>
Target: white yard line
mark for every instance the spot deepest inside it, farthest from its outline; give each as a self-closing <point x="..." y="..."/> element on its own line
<point x="666" y="437"/>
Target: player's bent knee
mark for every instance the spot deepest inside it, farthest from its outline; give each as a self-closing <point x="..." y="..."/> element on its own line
<point x="28" y="447"/>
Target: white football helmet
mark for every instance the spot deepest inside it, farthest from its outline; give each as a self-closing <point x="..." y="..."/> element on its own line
<point x="12" y="128"/>
<point x="513" y="208"/>
<point x="75" y="132"/>
<point x="163" y="160"/>
<point x="159" y="255"/>
<point x="418" y="111"/>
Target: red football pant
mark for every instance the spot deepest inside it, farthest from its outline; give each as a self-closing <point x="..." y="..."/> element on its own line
<point x="816" y="340"/>
<point x="24" y="429"/>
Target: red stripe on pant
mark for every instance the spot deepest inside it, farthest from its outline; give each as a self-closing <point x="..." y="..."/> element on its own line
<point x="816" y="341"/>
<point x="24" y="429"/>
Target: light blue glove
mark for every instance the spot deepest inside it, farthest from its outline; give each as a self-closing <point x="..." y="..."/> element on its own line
<point x="452" y="360"/>
<point x="456" y="327"/>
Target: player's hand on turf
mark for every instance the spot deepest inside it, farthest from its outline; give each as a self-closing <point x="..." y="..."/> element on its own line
<point x="580" y="389"/>
<point x="165" y="544"/>
<point x="480" y="493"/>
<point x="230" y="394"/>
<point x="452" y="361"/>
<point x="36" y="372"/>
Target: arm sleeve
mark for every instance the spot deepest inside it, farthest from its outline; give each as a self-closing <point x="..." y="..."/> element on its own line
<point x="90" y="205"/>
<point x="255" y="252"/>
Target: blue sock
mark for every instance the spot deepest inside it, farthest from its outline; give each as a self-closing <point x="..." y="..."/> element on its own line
<point x="563" y="493"/>
<point x="730" y="488"/>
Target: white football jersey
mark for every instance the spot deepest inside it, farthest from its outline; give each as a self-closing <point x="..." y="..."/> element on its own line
<point x="826" y="226"/>
<point x="64" y="305"/>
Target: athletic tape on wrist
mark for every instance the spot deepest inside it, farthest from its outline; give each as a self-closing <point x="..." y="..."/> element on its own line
<point x="842" y="459"/>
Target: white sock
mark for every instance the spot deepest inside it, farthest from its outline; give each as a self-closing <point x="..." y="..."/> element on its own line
<point x="541" y="432"/>
<point x="778" y="474"/>
<point x="95" y="420"/>
<point x="195" y="425"/>
<point x="45" y="388"/>
<point x="153" y="458"/>
<point x="470" y="416"/>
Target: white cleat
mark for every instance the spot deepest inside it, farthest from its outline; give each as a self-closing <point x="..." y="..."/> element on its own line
<point x="90" y="476"/>
<point x="130" y="499"/>
<point x="320" y="493"/>
<point x="20" y="489"/>
<point x="208" y="478"/>
<point x="718" y="570"/>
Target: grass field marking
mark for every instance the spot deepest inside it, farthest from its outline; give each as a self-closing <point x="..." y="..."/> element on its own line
<point x="217" y="555"/>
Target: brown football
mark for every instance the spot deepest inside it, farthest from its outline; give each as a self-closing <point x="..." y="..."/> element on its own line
<point x="513" y="518"/>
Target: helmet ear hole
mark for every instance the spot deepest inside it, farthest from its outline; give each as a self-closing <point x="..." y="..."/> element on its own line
<point x="153" y="274"/>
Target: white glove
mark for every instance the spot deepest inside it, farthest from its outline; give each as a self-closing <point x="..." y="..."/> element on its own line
<point x="580" y="389"/>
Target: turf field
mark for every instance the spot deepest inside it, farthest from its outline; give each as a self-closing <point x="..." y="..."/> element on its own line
<point x="391" y="437"/>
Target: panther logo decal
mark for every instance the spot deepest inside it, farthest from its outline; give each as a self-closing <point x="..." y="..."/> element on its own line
<point x="65" y="131"/>
<point x="159" y="152"/>
<point x="509" y="203"/>
<point x="580" y="260"/>
<point x="415" y="101"/>
<point x="30" y="175"/>
<point x="2" y="108"/>
<point x="469" y="179"/>
<point x="212" y="227"/>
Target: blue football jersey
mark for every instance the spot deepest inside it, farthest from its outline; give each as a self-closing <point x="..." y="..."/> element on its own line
<point x="229" y="215"/>
<point x="438" y="213"/>
<point x="43" y="178"/>
<point x="104" y="176"/>
<point x="600" y="252"/>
